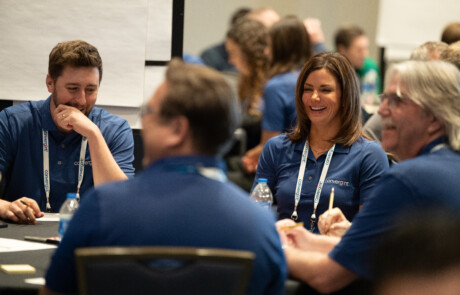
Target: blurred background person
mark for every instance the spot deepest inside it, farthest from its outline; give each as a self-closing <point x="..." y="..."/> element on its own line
<point x="421" y="256"/>
<point x="327" y="148"/>
<point x="246" y="44"/>
<point x="289" y="49"/>
<point x="216" y="56"/>
<point x="351" y="41"/>
<point x="265" y="15"/>
<point x="451" y="33"/>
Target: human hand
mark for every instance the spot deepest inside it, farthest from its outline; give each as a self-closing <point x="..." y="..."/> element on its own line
<point x="23" y="210"/>
<point x="293" y="235"/>
<point x="69" y="118"/>
<point x="314" y="30"/>
<point x="251" y="159"/>
<point x="333" y="223"/>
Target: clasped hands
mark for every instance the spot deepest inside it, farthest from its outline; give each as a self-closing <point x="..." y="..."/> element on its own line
<point x="332" y="223"/>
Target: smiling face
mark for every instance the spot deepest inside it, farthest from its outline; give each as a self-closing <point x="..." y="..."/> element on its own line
<point x="76" y="87"/>
<point x="321" y="99"/>
<point x="405" y="124"/>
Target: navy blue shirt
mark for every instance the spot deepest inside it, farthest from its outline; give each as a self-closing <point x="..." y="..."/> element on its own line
<point x="169" y="204"/>
<point x="430" y="179"/>
<point x="21" y="152"/>
<point x="354" y="172"/>
<point x="279" y="102"/>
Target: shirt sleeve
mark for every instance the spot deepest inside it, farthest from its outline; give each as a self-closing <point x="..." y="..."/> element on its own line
<point x="266" y="167"/>
<point x="61" y="276"/>
<point x="121" y="146"/>
<point x="355" y="250"/>
<point x="274" y="113"/>
<point x="6" y="141"/>
<point x="373" y="165"/>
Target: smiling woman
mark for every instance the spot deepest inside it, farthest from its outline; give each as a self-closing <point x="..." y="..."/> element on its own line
<point x="329" y="124"/>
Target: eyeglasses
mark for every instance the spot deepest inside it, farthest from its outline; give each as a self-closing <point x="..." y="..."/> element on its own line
<point x="393" y="99"/>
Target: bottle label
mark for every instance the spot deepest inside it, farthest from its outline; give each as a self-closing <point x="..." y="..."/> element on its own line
<point x="63" y="224"/>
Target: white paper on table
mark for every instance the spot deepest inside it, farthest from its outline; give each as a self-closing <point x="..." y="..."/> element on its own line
<point x="12" y="245"/>
<point x="49" y="217"/>
<point x="35" y="281"/>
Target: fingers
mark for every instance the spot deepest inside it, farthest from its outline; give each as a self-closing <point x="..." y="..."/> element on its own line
<point x="284" y="222"/>
<point x="249" y="164"/>
<point x="24" y="210"/>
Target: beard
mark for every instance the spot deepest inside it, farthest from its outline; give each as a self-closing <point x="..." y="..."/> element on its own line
<point x="85" y="109"/>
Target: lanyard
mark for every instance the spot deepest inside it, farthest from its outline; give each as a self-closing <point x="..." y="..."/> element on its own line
<point x="214" y="173"/>
<point x="438" y="147"/>
<point x="46" y="167"/>
<point x="303" y="165"/>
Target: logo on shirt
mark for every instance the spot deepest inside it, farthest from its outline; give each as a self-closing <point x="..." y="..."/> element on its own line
<point x="86" y="163"/>
<point x="337" y="182"/>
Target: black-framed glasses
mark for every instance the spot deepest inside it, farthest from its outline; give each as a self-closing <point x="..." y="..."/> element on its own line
<point x="393" y="99"/>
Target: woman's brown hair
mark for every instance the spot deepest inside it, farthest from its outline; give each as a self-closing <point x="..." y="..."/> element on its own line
<point x="350" y="109"/>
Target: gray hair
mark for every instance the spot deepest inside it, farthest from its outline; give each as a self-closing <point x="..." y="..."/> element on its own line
<point x="430" y="50"/>
<point x="435" y="87"/>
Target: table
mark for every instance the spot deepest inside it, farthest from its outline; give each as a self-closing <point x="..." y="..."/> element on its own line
<point x="14" y="283"/>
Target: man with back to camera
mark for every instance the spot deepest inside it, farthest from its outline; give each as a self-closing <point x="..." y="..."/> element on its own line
<point x="420" y="111"/>
<point x="182" y="198"/>
<point x="63" y="144"/>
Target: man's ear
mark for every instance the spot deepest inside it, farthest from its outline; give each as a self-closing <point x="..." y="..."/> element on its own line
<point x="49" y="83"/>
<point x="435" y="125"/>
<point x="180" y="131"/>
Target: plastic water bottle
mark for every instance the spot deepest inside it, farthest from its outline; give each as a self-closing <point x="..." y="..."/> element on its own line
<point x="66" y="212"/>
<point x="369" y="90"/>
<point x="262" y="194"/>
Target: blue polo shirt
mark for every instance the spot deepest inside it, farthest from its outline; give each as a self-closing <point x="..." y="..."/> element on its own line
<point x="21" y="152"/>
<point x="429" y="180"/>
<point x="279" y="100"/>
<point x="354" y="172"/>
<point x="169" y="204"/>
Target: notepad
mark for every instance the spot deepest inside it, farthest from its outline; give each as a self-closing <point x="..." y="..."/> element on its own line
<point x="17" y="268"/>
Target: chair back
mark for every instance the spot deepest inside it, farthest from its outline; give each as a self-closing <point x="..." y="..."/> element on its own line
<point x="162" y="270"/>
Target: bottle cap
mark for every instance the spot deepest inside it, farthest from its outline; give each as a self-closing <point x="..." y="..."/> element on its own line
<point x="71" y="195"/>
<point x="262" y="180"/>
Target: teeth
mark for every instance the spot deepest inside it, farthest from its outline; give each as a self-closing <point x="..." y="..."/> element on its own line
<point x="318" y="109"/>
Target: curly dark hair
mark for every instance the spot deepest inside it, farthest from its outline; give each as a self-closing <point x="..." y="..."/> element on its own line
<point x="251" y="37"/>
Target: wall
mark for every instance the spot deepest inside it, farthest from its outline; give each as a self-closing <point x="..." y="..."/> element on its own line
<point x="206" y="21"/>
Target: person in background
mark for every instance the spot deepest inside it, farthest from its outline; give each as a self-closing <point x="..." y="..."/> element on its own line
<point x="452" y="54"/>
<point x="64" y="143"/>
<point x="421" y="256"/>
<point x="216" y="56"/>
<point x="351" y="41"/>
<point x="313" y="26"/>
<point x="246" y="44"/>
<point x="289" y="49"/>
<point x="451" y="33"/>
<point x="326" y="149"/>
<point x="187" y="125"/>
<point x="431" y="50"/>
<point x="420" y="110"/>
<point x="265" y="15"/>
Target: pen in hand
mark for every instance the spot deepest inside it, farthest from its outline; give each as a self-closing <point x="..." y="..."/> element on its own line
<point x="331" y="199"/>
